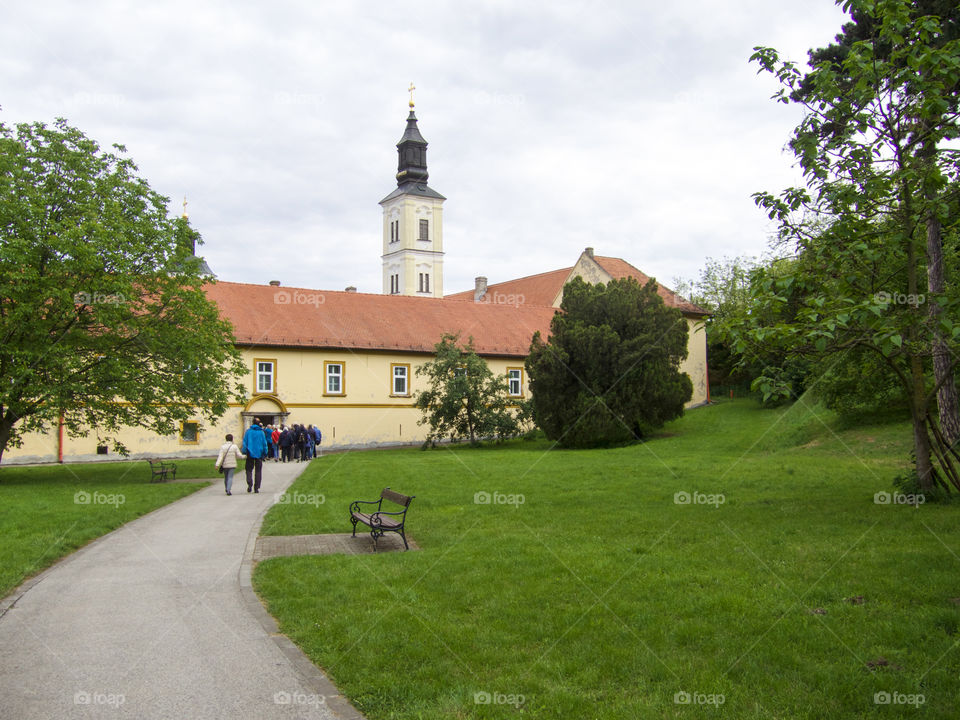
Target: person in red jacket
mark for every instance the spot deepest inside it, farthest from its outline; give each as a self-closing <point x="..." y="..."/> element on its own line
<point x="275" y="447"/>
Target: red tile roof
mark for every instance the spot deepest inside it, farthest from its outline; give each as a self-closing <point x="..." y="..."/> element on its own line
<point x="543" y="289"/>
<point x="539" y="289"/>
<point x="265" y="315"/>
<point x="618" y="269"/>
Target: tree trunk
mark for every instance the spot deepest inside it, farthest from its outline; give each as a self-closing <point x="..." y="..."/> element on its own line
<point x="943" y="371"/>
<point x="918" y="414"/>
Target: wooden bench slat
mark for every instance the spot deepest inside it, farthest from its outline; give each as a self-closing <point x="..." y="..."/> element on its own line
<point x="395" y="497"/>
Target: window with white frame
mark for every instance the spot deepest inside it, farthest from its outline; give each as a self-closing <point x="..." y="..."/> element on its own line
<point x="424" y="285"/>
<point x="334" y="378"/>
<point x="266" y="374"/>
<point x="515" y="382"/>
<point x="401" y="380"/>
<point x="425" y="230"/>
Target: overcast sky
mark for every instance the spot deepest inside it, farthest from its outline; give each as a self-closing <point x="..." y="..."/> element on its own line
<point x="636" y="127"/>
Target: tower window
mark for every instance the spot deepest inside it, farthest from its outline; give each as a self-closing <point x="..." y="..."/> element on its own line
<point x="394" y="230"/>
<point x="424" y="282"/>
<point x="425" y="230"/>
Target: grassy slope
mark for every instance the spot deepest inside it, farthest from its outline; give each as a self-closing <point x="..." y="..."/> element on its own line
<point x="601" y="597"/>
<point x="40" y="520"/>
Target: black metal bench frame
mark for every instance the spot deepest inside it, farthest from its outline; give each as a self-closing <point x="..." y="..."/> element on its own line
<point x="382" y="521"/>
<point x="162" y="471"/>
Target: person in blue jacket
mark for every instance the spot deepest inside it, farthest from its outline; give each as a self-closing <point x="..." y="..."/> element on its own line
<point x="255" y="448"/>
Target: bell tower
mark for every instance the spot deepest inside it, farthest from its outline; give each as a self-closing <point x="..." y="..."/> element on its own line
<point x="412" y="222"/>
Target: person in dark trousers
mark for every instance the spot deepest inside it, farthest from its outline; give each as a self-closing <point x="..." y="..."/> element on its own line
<point x="286" y="444"/>
<point x="309" y="440"/>
<point x="301" y="443"/>
<point x="255" y="448"/>
<point x="319" y="437"/>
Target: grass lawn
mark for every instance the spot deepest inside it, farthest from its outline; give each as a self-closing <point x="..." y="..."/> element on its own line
<point x="47" y="512"/>
<point x="779" y="590"/>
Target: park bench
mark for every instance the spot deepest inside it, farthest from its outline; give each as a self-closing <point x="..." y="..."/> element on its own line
<point x="382" y="521"/>
<point x="162" y="471"/>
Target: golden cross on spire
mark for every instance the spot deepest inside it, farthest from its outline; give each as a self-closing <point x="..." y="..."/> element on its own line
<point x="184" y="206"/>
<point x="411" y="89"/>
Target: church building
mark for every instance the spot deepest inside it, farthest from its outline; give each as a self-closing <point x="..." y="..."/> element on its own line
<point x="346" y="361"/>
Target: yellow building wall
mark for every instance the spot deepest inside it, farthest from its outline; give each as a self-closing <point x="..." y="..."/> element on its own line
<point x="365" y="414"/>
<point x="696" y="363"/>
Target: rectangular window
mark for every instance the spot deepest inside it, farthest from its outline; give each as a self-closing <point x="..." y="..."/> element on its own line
<point x="394" y="284"/>
<point x="425" y="230"/>
<point x="265" y="376"/>
<point x="396" y="226"/>
<point x="189" y="433"/>
<point x="333" y="372"/>
<point x="515" y="382"/>
<point x="401" y="375"/>
<point x="424" y="282"/>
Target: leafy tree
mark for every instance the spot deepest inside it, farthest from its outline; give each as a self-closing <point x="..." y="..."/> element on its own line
<point x="609" y="372"/>
<point x="103" y="320"/>
<point x="465" y="399"/>
<point x="875" y="149"/>
<point x="866" y="28"/>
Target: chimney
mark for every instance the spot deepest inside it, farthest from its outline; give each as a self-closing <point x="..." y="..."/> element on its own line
<point x="274" y="283"/>
<point x="351" y="289"/>
<point x="479" y="289"/>
<point x="589" y="252"/>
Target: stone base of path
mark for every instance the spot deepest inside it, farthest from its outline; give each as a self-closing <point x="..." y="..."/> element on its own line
<point x="270" y="546"/>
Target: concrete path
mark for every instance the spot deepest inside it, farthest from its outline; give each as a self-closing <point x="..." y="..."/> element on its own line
<point x="158" y="620"/>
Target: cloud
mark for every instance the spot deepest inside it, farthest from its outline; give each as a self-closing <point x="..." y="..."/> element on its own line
<point x="638" y="129"/>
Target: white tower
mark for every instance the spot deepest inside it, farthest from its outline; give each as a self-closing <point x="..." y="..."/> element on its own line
<point x="412" y="222"/>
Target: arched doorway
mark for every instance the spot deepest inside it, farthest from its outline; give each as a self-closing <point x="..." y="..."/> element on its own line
<point x="269" y="409"/>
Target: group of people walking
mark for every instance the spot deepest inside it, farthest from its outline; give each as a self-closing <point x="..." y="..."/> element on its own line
<point x="297" y="442"/>
<point x="294" y="443"/>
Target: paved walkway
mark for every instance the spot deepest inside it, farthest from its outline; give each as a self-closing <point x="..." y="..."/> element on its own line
<point x="158" y="620"/>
